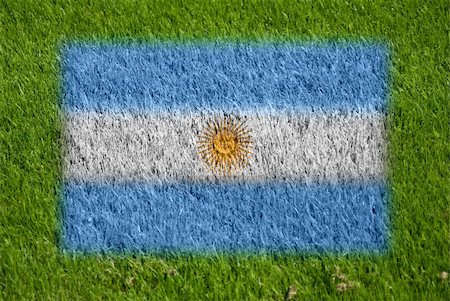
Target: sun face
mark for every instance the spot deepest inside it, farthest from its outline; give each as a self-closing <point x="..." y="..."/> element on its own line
<point x="225" y="145"/>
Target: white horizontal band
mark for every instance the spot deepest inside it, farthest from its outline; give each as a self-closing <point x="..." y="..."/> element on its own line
<point x="164" y="148"/>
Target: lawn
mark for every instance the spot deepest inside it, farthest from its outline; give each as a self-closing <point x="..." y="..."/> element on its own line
<point x="32" y="265"/>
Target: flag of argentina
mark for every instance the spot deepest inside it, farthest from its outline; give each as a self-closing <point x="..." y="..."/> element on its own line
<point x="224" y="147"/>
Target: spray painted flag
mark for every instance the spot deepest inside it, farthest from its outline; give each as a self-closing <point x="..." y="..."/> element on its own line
<point x="224" y="147"/>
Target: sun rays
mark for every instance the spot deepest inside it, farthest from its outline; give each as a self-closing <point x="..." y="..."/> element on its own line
<point x="225" y="144"/>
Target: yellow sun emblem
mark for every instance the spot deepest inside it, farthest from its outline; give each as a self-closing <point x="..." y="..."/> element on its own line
<point x="225" y="145"/>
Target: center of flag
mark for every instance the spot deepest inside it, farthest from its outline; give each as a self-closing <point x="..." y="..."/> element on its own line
<point x="225" y="145"/>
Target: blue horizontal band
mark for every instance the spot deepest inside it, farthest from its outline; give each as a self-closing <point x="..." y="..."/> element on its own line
<point x="225" y="217"/>
<point x="224" y="77"/>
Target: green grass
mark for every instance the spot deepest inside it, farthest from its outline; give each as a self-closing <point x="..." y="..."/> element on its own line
<point x="33" y="267"/>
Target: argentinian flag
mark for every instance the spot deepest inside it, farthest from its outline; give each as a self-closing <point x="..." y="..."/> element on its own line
<point x="224" y="147"/>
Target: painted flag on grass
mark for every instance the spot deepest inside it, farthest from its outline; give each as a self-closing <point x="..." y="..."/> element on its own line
<point x="224" y="147"/>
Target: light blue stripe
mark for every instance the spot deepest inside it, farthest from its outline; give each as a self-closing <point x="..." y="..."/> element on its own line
<point x="238" y="217"/>
<point x="224" y="77"/>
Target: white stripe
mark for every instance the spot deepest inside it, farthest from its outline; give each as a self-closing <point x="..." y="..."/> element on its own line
<point x="163" y="148"/>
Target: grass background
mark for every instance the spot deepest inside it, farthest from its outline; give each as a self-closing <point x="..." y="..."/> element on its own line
<point x="31" y="264"/>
